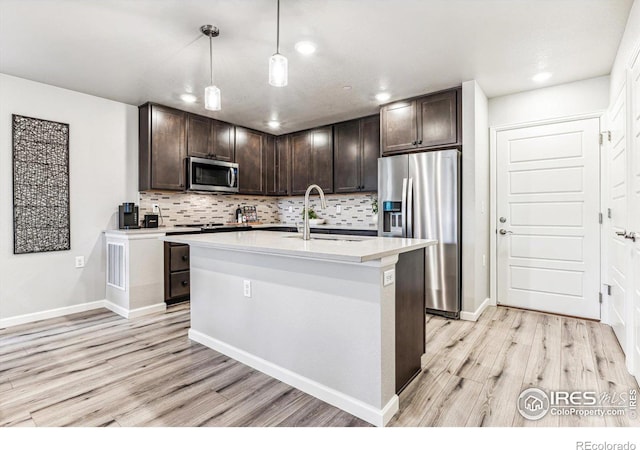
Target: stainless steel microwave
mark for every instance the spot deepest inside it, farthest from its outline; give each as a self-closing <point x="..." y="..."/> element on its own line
<point x="211" y="176"/>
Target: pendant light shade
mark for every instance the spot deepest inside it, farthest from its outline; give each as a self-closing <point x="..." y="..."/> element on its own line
<point x="212" y="100"/>
<point x="278" y="70"/>
<point x="278" y="64"/>
<point x="212" y="95"/>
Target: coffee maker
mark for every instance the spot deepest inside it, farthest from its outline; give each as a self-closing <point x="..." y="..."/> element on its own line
<point x="128" y="216"/>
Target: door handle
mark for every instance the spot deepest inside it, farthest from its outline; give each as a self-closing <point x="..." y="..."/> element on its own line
<point x="410" y="208"/>
<point x="403" y="208"/>
<point x="503" y="231"/>
<point x="622" y="233"/>
<point x="632" y="235"/>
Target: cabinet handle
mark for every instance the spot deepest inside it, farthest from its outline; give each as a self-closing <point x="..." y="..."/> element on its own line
<point x="414" y="143"/>
<point x="420" y="142"/>
<point x="185" y="258"/>
<point x="185" y="282"/>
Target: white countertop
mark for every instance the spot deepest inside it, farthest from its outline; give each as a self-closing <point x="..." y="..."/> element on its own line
<point x="171" y="229"/>
<point x="345" y="248"/>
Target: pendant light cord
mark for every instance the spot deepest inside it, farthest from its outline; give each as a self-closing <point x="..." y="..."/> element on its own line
<point x="278" y="30"/>
<point x="211" y="59"/>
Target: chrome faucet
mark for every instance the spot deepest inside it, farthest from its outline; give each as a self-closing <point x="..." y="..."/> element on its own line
<point x="306" y="233"/>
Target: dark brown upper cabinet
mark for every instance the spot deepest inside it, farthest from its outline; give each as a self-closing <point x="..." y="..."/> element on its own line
<point x="356" y="150"/>
<point x="277" y="165"/>
<point x="199" y="141"/>
<point x="162" y="148"/>
<point x="209" y="138"/>
<point x="251" y="159"/>
<point x="223" y="138"/>
<point x="423" y="123"/>
<point x="312" y="160"/>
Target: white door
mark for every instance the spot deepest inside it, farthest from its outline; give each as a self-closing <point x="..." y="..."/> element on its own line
<point x="616" y="244"/>
<point x="634" y="220"/>
<point x="548" y="197"/>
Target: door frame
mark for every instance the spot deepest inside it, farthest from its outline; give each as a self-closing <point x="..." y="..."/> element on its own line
<point x="493" y="198"/>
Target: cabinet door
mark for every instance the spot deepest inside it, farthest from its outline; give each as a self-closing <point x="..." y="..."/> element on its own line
<point x="270" y="166"/>
<point x="322" y="158"/>
<point x="370" y="134"/>
<point x="283" y="149"/>
<point x="398" y="127"/>
<point x="300" y="162"/>
<point x="198" y="136"/>
<point x="437" y="119"/>
<point x="347" y="155"/>
<point x="167" y="148"/>
<point x="223" y="139"/>
<point x="250" y="158"/>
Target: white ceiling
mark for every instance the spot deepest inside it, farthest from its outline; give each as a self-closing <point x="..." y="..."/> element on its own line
<point x="135" y="51"/>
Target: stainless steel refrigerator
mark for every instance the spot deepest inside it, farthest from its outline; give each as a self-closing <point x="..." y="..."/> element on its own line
<point x="419" y="197"/>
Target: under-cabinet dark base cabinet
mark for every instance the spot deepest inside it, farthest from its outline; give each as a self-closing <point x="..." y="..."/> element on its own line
<point x="410" y="316"/>
<point x="176" y="273"/>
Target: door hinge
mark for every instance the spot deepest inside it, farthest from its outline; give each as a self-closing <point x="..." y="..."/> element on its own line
<point x="608" y="286"/>
<point x="602" y="136"/>
<point x="609" y="213"/>
<point x="600" y="296"/>
<point x="600" y="217"/>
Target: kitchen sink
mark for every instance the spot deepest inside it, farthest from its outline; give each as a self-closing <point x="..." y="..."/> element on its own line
<point x="330" y="238"/>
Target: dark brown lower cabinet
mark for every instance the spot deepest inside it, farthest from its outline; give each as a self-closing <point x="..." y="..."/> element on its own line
<point x="176" y="273"/>
<point x="410" y="316"/>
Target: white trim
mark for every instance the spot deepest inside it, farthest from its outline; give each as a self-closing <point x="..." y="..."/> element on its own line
<point x="50" y="313"/>
<point x="73" y="309"/>
<point x="473" y="316"/>
<point x="133" y="313"/>
<point x="493" y="190"/>
<point x="375" y="416"/>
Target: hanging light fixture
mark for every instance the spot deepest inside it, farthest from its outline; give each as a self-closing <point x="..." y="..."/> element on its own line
<point x="278" y="65"/>
<point x="212" y="100"/>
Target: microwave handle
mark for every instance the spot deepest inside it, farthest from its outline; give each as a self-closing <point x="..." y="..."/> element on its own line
<point x="231" y="177"/>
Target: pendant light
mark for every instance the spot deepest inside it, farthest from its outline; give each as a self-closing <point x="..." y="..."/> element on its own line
<point x="212" y="100"/>
<point x="278" y="65"/>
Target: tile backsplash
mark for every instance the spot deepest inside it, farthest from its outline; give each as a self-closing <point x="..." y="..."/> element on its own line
<point x="355" y="209"/>
<point x="185" y="208"/>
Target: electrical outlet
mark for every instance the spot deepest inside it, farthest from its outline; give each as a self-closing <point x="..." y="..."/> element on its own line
<point x="247" y="288"/>
<point x="156" y="208"/>
<point x="389" y="277"/>
<point x="79" y="262"/>
<point x="338" y="209"/>
<point x="290" y="209"/>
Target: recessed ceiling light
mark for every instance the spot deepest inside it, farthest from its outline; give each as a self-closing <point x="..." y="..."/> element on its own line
<point x="273" y="124"/>
<point x="305" y="47"/>
<point x="383" y="96"/>
<point x="542" y="76"/>
<point x="188" y="98"/>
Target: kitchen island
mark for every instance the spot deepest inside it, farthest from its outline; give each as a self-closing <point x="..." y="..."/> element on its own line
<point x="320" y="315"/>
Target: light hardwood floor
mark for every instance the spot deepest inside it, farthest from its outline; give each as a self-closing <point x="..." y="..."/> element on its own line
<point x="98" y="369"/>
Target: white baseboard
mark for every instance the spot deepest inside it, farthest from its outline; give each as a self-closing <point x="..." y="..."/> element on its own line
<point x="50" y="313"/>
<point x="473" y="316"/>
<point x="375" y="416"/>
<point x="57" y="312"/>
<point x="133" y="313"/>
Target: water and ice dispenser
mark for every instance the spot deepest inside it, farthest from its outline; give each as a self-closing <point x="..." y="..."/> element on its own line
<point x="392" y="219"/>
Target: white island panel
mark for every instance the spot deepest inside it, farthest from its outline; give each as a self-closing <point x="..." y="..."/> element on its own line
<point x="325" y="328"/>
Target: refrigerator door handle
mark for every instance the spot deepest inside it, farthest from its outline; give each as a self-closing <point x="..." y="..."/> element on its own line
<point x="403" y="209"/>
<point x="410" y="208"/>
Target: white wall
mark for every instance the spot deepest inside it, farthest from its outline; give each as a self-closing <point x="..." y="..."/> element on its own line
<point x="103" y="173"/>
<point x="475" y="197"/>
<point x="563" y="100"/>
<point x="626" y="50"/>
